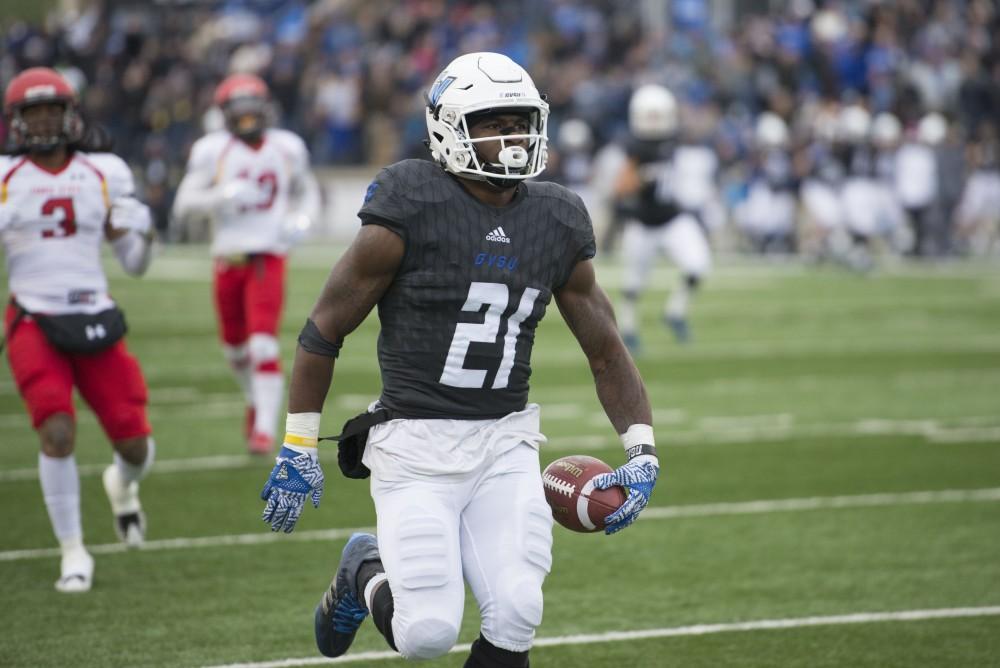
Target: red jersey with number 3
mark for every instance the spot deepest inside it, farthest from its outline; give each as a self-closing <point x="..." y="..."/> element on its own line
<point x="52" y="226"/>
<point x="270" y="167"/>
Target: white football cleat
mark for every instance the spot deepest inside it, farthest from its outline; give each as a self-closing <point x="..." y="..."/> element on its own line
<point x="77" y="571"/>
<point x="130" y="521"/>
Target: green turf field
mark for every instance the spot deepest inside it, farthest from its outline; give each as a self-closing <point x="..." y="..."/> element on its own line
<point x="830" y="493"/>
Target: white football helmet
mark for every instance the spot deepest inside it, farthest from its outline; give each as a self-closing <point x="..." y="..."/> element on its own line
<point x="854" y="124"/>
<point x="771" y="131"/>
<point x="932" y="129"/>
<point x="886" y="129"/>
<point x="477" y="83"/>
<point x="652" y="113"/>
<point x="575" y="135"/>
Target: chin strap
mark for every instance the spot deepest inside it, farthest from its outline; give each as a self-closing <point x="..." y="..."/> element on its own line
<point x="501" y="182"/>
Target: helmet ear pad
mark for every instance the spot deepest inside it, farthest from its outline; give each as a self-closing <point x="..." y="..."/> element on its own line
<point x="460" y="159"/>
<point x="238" y="111"/>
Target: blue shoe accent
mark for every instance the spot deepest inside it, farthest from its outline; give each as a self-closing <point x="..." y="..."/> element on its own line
<point x="679" y="326"/>
<point x="342" y="609"/>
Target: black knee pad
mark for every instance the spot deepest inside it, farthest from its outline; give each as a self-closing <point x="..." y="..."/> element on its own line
<point x="692" y="281"/>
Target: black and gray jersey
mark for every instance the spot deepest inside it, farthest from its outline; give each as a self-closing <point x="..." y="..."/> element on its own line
<point x="775" y="169"/>
<point x="885" y="164"/>
<point x="826" y="166"/>
<point x="458" y="322"/>
<point x="859" y="162"/>
<point x="655" y="203"/>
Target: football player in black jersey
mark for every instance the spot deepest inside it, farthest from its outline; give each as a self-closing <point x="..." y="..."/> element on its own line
<point x="461" y="255"/>
<point x="662" y="216"/>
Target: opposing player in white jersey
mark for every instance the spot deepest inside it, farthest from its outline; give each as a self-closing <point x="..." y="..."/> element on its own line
<point x="255" y="182"/>
<point x="61" y="195"/>
<point x="662" y="192"/>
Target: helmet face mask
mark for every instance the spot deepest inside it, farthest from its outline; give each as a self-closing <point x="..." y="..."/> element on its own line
<point x="472" y="88"/>
<point x="41" y="108"/>
<point x="243" y="99"/>
<point x="246" y="117"/>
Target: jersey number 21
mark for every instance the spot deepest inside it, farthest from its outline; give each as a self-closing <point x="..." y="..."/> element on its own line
<point x="495" y="297"/>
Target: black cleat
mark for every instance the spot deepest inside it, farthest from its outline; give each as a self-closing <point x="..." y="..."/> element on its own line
<point x="342" y="608"/>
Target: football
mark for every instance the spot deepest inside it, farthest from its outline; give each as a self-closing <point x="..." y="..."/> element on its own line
<point x="570" y="492"/>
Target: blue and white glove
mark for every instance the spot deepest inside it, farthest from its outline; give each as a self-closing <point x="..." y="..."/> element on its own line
<point x="638" y="475"/>
<point x="296" y="474"/>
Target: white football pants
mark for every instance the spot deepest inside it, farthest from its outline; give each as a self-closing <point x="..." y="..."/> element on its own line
<point x="870" y="208"/>
<point x="682" y="240"/>
<point x="454" y="499"/>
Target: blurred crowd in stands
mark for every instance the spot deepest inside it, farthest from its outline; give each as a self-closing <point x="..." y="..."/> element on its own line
<point x="349" y="76"/>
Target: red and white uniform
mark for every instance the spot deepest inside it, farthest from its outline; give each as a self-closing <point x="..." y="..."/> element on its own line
<point x="275" y="169"/>
<point x="262" y="197"/>
<point x="51" y="229"/>
<point x="52" y="226"/>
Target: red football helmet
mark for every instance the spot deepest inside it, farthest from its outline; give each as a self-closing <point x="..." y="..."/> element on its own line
<point x="41" y="85"/>
<point x="244" y="102"/>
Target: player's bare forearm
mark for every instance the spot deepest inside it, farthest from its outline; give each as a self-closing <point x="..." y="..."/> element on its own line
<point x="621" y="390"/>
<point x="311" y="376"/>
<point x="587" y="310"/>
<point x="356" y="283"/>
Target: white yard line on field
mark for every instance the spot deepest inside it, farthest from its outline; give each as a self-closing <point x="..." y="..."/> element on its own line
<point x="194" y="543"/>
<point x="710" y="430"/>
<point x="823" y="503"/>
<point x="751" y="428"/>
<point x="669" y="632"/>
<point x="216" y="462"/>
<point x="661" y="513"/>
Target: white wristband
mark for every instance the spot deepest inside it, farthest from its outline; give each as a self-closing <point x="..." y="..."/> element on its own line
<point x="638" y="442"/>
<point x="638" y="434"/>
<point x="302" y="429"/>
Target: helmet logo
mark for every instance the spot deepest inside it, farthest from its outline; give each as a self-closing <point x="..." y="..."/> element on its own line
<point x="440" y="86"/>
<point x="42" y="91"/>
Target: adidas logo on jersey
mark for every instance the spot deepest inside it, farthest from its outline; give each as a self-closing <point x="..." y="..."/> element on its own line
<point x="498" y="235"/>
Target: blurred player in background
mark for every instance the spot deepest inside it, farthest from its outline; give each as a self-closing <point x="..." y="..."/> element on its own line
<point x="573" y="165"/>
<point x="62" y="194"/>
<point x="858" y="195"/>
<point x="255" y="183"/>
<point x="977" y="216"/>
<point x="767" y="216"/>
<point x="661" y="192"/>
<point x="890" y="220"/>
<point x="917" y="182"/>
<point x="461" y="255"/>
